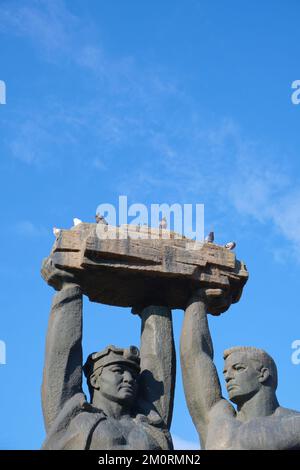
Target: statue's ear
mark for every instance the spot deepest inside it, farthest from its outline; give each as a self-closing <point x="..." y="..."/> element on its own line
<point x="94" y="381"/>
<point x="264" y="374"/>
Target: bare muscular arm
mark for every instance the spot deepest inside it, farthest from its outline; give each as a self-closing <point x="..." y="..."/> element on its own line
<point x="201" y="383"/>
<point x="62" y="377"/>
<point x="158" y="360"/>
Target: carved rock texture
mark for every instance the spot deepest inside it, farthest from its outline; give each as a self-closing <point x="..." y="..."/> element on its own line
<point x="136" y="270"/>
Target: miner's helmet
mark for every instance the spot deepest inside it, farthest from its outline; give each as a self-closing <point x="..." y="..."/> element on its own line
<point x="112" y="355"/>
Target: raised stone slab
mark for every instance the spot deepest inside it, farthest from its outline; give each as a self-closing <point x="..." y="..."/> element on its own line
<point x="135" y="270"/>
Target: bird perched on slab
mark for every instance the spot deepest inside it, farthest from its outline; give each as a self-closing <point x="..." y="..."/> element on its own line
<point x="56" y="231"/>
<point x="210" y="237"/>
<point x="163" y="223"/>
<point x="230" y="245"/>
<point x="100" y="219"/>
<point x="76" y="221"/>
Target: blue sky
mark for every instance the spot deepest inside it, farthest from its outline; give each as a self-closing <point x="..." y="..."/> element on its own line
<point x="173" y="101"/>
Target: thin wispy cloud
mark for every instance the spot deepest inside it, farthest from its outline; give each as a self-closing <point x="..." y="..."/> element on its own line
<point x="62" y="37"/>
<point x="26" y="228"/>
<point x="47" y="24"/>
<point x="32" y="141"/>
<point x="140" y="110"/>
<point x="125" y="98"/>
<point x="257" y="187"/>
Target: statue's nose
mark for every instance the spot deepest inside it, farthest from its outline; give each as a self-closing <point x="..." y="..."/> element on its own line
<point x="227" y="376"/>
<point x="127" y="377"/>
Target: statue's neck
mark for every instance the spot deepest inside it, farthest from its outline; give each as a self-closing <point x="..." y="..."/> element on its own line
<point x="263" y="403"/>
<point x="109" y="407"/>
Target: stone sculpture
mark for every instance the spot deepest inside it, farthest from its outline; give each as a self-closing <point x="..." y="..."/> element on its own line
<point x="259" y="422"/>
<point x="131" y="393"/>
<point x="152" y="271"/>
<point x="145" y="266"/>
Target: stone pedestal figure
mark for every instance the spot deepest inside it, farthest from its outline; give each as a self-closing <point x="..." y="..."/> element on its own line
<point x="131" y="393"/>
<point x="258" y="422"/>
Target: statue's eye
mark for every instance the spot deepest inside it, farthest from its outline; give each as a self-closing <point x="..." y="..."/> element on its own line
<point x="238" y="368"/>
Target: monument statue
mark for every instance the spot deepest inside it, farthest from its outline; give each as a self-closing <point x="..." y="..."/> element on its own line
<point x="131" y="393"/>
<point x="258" y="422"/>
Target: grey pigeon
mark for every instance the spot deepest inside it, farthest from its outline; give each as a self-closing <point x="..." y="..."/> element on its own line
<point x="163" y="223"/>
<point x="100" y="219"/>
<point x="230" y="245"/>
<point x="210" y="237"/>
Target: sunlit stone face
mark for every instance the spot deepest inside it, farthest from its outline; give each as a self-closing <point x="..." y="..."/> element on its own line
<point x="241" y="373"/>
<point x="118" y="382"/>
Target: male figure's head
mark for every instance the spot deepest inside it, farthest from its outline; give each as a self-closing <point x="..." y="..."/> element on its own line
<point x="248" y="370"/>
<point x="112" y="374"/>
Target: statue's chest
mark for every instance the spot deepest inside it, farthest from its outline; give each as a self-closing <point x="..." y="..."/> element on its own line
<point x="265" y="433"/>
<point x="222" y="434"/>
<point x="121" y="434"/>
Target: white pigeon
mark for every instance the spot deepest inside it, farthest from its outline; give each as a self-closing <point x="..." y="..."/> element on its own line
<point x="56" y="231"/>
<point x="76" y="221"/>
<point x="210" y="237"/>
<point x="100" y="219"/>
<point x="163" y="223"/>
<point x="230" y="245"/>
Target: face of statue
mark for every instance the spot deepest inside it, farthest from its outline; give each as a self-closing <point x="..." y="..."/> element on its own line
<point x="242" y="376"/>
<point x="118" y="382"/>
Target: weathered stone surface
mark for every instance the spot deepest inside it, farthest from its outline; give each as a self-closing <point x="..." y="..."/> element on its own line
<point x="137" y="271"/>
<point x="257" y="422"/>
<point x="131" y="392"/>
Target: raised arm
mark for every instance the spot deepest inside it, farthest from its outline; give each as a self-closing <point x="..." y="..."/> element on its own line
<point x="62" y="376"/>
<point x="158" y="361"/>
<point x="200" y="379"/>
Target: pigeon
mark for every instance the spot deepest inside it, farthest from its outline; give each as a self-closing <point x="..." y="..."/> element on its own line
<point x="56" y="231"/>
<point x="163" y="223"/>
<point x="210" y="237"/>
<point x="230" y="245"/>
<point x="100" y="219"/>
<point x="76" y="221"/>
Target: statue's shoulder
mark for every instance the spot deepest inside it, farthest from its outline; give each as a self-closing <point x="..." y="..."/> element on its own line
<point x="222" y="409"/>
<point x="282" y="412"/>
